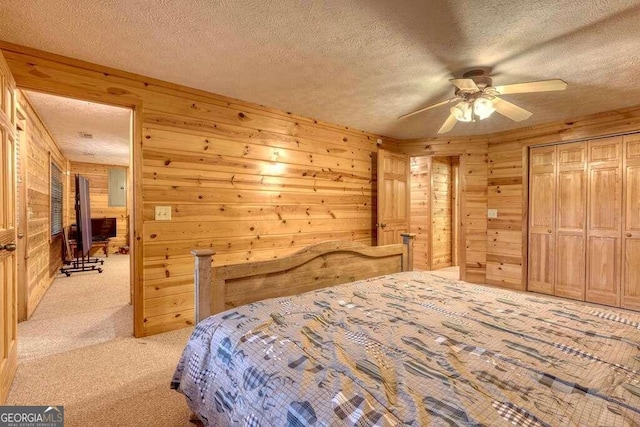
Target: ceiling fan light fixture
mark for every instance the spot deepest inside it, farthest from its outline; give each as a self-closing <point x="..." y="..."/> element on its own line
<point x="483" y="107"/>
<point x="462" y="111"/>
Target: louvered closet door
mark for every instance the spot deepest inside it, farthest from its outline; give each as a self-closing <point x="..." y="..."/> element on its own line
<point x="571" y="218"/>
<point x="604" y="228"/>
<point x="631" y="229"/>
<point x="542" y="207"/>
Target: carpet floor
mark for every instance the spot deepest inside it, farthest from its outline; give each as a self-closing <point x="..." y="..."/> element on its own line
<point x="78" y="350"/>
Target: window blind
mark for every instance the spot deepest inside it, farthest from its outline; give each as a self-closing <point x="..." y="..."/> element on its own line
<point x="56" y="200"/>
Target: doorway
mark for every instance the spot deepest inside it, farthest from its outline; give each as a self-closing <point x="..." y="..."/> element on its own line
<point x="435" y="213"/>
<point x="60" y="137"/>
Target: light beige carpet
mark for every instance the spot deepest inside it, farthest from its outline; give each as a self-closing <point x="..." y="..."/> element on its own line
<point x="77" y="350"/>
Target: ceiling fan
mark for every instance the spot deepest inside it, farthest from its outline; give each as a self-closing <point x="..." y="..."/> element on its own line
<point x="478" y="98"/>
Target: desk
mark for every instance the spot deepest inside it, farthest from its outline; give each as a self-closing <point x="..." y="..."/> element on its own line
<point x="104" y="244"/>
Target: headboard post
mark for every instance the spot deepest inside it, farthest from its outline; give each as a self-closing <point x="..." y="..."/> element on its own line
<point x="203" y="281"/>
<point x="408" y="239"/>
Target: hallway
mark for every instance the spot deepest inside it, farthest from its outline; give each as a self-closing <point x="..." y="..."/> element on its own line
<point x="78" y="311"/>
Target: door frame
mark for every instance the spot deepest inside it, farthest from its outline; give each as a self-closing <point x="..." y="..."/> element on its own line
<point x="21" y="217"/>
<point x="135" y="184"/>
<point x="462" y="201"/>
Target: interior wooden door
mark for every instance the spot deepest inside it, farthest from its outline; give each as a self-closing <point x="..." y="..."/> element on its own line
<point x="542" y="207"/>
<point x="441" y="212"/>
<point x="631" y="224"/>
<point x="604" y="228"/>
<point x="571" y="218"/>
<point x="393" y="196"/>
<point x="8" y="291"/>
<point x="420" y="211"/>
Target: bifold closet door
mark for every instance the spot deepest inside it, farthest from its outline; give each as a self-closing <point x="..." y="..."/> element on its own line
<point x="542" y="208"/>
<point x="604" y="228"/>
<point x="571" y="216"/>
<point x="631" y="229"/>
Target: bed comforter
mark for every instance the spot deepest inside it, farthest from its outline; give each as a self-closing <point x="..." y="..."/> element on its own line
<point x="414" y="349"/>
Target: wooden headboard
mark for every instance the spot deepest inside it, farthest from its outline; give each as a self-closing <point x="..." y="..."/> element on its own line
<point x="218" y="288"/>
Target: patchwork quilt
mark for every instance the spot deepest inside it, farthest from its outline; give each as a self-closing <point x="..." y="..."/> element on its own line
<point x="414" y="349"/>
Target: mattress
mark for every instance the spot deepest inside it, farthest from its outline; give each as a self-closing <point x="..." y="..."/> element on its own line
<point x="414" y="349"/>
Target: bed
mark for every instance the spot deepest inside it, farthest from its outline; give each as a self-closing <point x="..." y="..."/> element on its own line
<point x="406" y="348"/>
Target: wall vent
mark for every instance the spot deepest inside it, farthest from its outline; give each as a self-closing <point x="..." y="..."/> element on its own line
<point x="85" y="135"/>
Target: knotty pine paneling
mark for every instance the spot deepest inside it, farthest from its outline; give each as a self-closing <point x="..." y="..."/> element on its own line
<point x="420" y="211"/>
<point x="249" y="181"/>
<point x="217" y="145"/>
<point x="505" y="234"/>
<point x="473" y="194"/>
<point x="98" y="176"/>
<point x="43" y="253"/>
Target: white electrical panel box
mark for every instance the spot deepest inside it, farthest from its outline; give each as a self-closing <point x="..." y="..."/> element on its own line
<point x="492" y="213"/>
<point x="163" y="213"/>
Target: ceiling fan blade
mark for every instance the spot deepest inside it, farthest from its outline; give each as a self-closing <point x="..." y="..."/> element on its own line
<point x="448" y="124"/>
<point x="465" y="84"/>
<point x="540" y="86"/>
<point x="429" y="107"/>
<point x="510" y="110"/>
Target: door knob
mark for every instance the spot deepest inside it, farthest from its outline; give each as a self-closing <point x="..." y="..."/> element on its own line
<point x="549" y="231"/>
<point x="628" y="234"/>
<point x="8" y="247"/>
<point x="383" y="225"/>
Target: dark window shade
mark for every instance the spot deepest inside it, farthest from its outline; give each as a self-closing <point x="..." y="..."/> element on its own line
<point x="56" y="200"/>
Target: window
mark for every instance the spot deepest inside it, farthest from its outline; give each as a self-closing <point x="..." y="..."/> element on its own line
<point x="56" y="200"/>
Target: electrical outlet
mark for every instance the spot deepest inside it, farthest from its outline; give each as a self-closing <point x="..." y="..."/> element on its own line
<point x="163" y="213"/>
<point x="492" y="213"/>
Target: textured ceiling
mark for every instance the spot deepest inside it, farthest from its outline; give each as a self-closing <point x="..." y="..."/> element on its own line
<point x="359" y="63"/>
<point x="66" y="118"/>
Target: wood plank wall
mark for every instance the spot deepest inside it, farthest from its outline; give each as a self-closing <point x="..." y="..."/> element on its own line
<point x="44" y="254"/>
<point x="98" y="176"/>
<point x="217" y="159"/>
<point x="248" y="181"/>
<point x="441" y="212"/>
<point x="420" y="211"/>
<point x="505" y="234"/>
<point x="473" y="193"/>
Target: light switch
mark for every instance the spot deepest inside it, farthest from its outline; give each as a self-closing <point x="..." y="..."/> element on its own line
<point x="492" y="213"/>
<point x="163" y="213"/>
